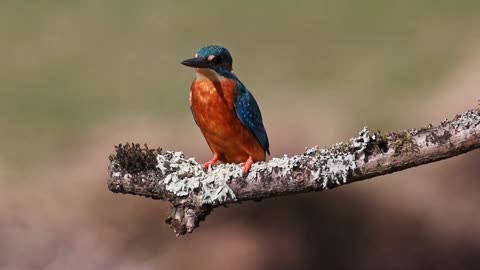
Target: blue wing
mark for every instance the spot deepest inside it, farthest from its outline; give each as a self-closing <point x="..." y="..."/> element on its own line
<point x="247" y="110"/>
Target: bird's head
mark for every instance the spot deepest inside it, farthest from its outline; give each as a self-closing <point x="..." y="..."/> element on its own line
<point x="211" y="60"/>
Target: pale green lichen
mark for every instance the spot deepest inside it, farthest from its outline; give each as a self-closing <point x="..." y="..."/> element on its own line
<point x="285" y="163"/>
<point x="184" y="176"/>
<point x="333" y="167"/>
<point x="336" y="164"/>
<point x="329" y="167"/>
<point x="216" y="187"/>
<point x="278" y="167"/>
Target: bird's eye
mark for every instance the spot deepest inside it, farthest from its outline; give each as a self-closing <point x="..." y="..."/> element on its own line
<point x="215" y="59"/>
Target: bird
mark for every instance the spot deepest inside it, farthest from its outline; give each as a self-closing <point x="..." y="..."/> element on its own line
<point x="225" y="111"/>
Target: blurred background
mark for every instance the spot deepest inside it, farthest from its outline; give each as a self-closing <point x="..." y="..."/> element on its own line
<point x="78" y="77"/>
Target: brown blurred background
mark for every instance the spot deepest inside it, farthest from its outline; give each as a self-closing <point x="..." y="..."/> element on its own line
<point x="78" y="77"/>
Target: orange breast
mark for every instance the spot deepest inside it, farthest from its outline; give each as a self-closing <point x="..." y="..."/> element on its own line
<point x="212" y="105"/>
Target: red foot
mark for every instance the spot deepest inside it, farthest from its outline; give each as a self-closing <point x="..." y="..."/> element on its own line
<point x="211" y="162"/>
<point x="247" y="165"/>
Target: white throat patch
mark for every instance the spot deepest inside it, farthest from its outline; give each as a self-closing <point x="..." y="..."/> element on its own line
<point x="209" y="74"/>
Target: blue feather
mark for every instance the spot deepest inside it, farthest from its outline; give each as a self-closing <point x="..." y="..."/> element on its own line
<point x="194" y="119"/>
<point x="247" y="110"/>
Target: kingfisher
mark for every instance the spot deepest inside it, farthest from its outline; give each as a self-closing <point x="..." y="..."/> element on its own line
<point x="225" y="111"/>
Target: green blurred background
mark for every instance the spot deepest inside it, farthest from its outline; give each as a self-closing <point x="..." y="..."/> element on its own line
<point x="79" y="77"/>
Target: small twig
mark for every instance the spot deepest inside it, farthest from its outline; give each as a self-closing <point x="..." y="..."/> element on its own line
<point x="194" y="192"/>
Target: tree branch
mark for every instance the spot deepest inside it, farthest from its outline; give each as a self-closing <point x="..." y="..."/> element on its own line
<point x="194" y="193"/>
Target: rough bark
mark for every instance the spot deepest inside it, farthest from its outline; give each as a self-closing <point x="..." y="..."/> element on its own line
<point x="194" y="193"/>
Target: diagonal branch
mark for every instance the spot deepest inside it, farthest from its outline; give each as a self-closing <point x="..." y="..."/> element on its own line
<point x="194" y="193"/>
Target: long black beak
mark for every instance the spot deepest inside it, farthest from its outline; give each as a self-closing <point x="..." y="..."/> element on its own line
<point x="197" y="62"/>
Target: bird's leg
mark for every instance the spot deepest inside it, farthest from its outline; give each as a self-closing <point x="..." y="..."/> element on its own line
<point x="247" y="165"/>
<point x="211" y="162"/>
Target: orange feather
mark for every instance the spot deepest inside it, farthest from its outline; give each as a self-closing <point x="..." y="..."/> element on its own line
<point x="212" y="105"/>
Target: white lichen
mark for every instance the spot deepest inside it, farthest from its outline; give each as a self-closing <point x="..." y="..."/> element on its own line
<point x="412" y="131"/>
<point x="184" y="176"/>
<point x="284" y="162"/>
<point x="215" y="192"/>
<point x="334" y="167"/>
<point x="280" y="167"/>
<point x="361" y="142"/>
<point x="469" y="119"/>
<point x="331" y="166"/>
<point x="336" y="164"/>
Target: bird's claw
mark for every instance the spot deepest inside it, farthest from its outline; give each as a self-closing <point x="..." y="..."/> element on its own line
<point x="247" y="165"/>
<point x="212" y="162"/>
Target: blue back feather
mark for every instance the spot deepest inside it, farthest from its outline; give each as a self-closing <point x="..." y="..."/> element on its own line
<point x="249" y="114"/>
